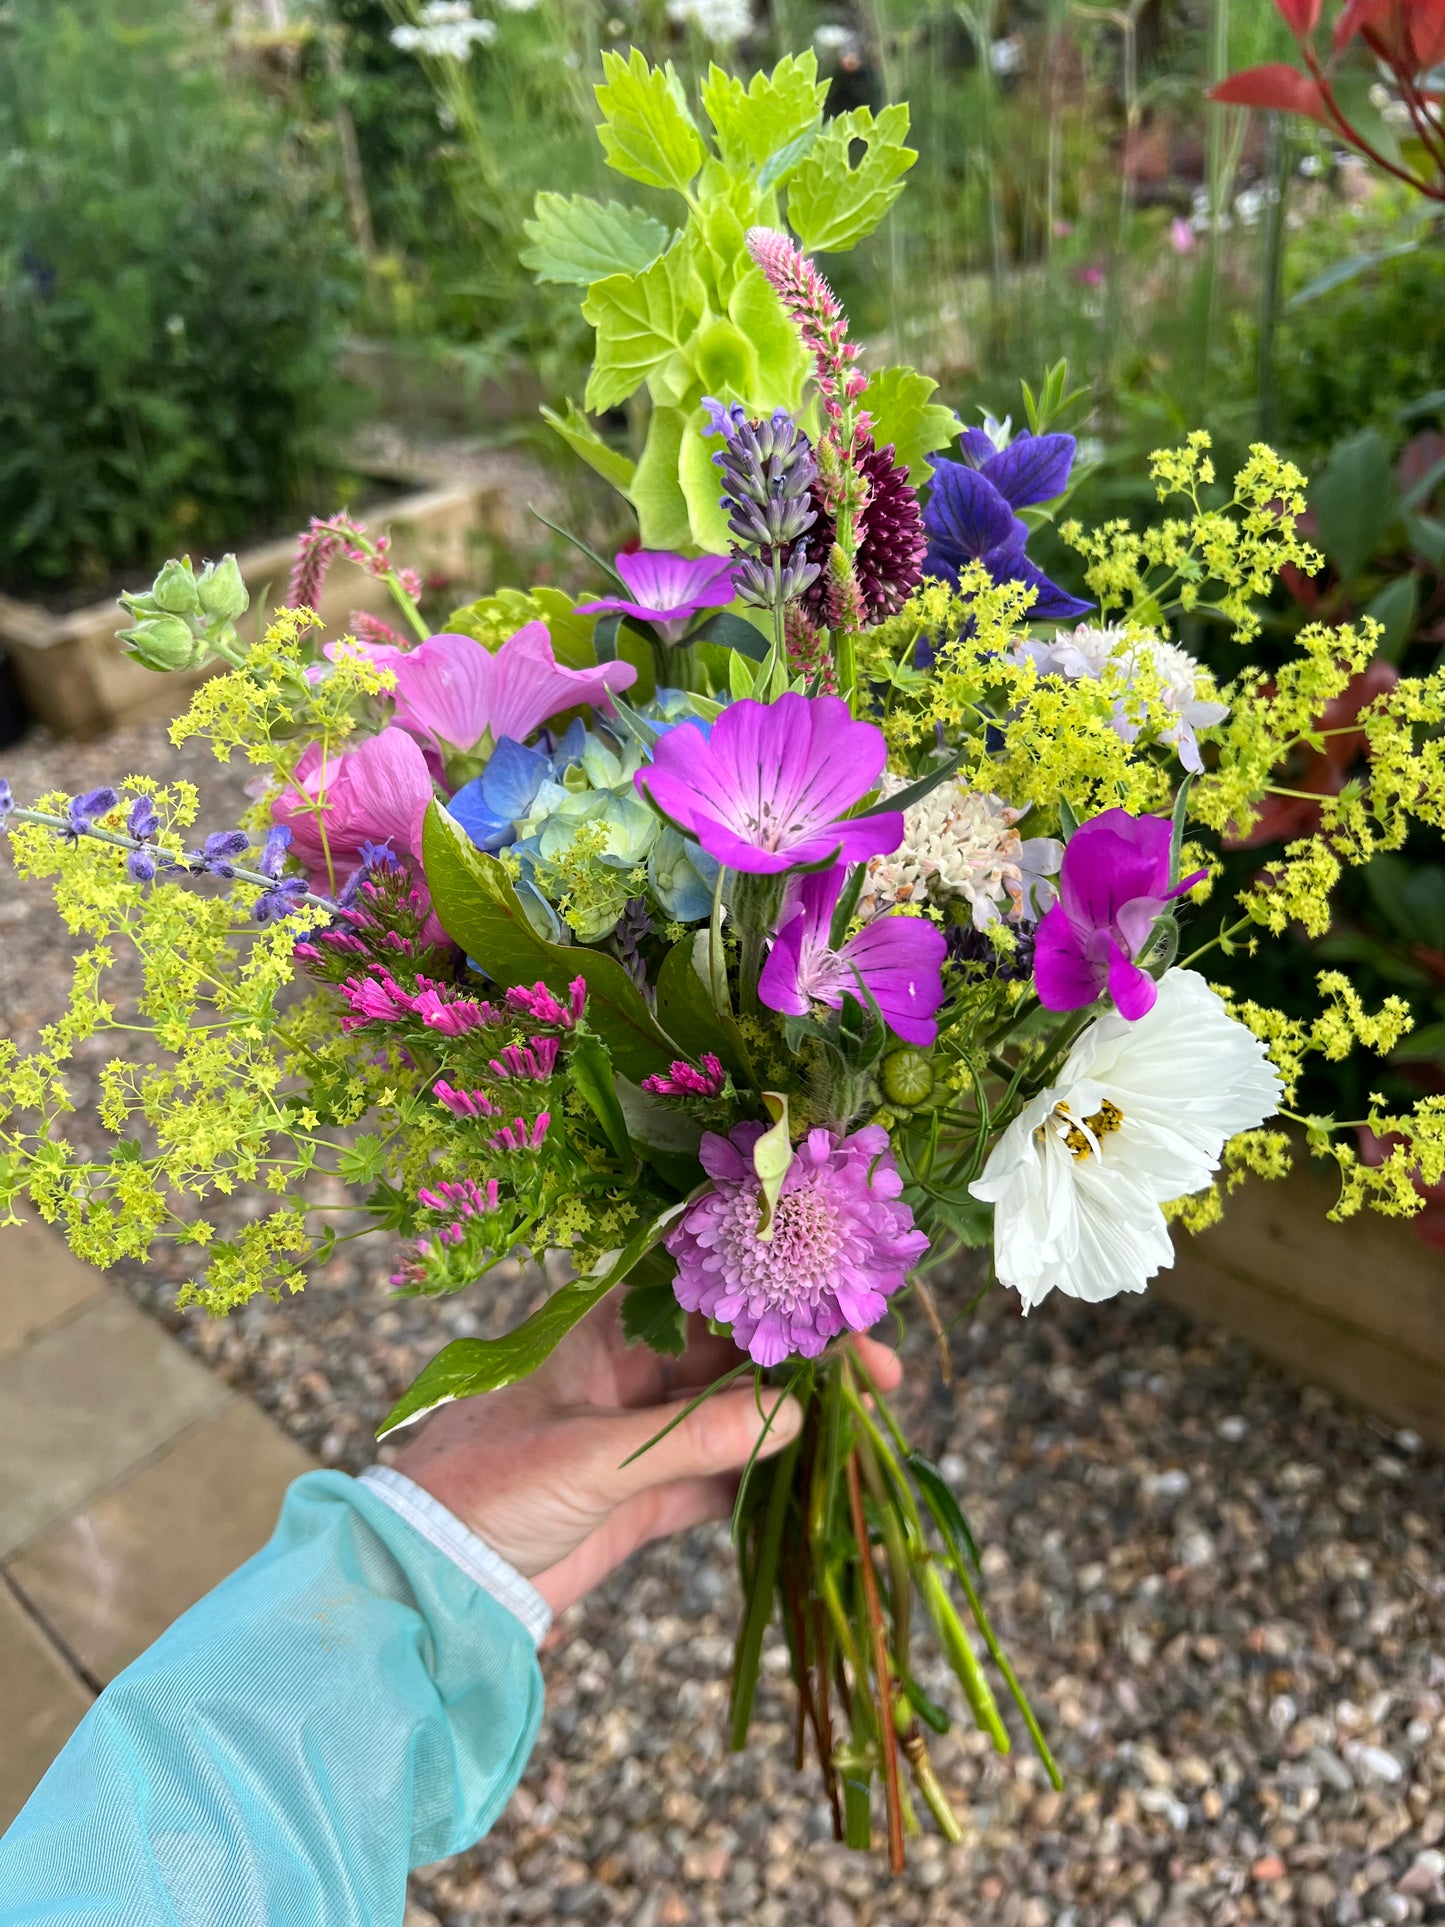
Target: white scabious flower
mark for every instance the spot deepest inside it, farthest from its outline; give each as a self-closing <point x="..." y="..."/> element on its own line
<point x="1140" y="1115"/>
<point x="446" y="30"/>
<point x="1173" y="678"/>
<point x="963" y="843"/>
<point x="721" y="21"/>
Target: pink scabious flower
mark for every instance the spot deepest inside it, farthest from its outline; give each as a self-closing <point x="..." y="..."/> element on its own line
<point x="667" y="589"/>
<point x="374" y="794"/>
<point x="683" y="1081"/>
<point x="840" y="1244"/>
<point x="896" y="960"/>
<point x="769" y="788"/>
<point x="1113" y="883"/>
<point x="452" y="691"/>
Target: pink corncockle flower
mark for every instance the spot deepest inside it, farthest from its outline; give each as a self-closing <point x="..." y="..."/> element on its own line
<point x="375" y="1000"/>
<point x="376" y="793"/>
<point x="683" y="1081"/>
<point x="1181" y="235"/>
<point x="841" y="1242"/>
<point x="464" y="1103"/>
<point x="769" y="788"/>
<point x="1113" y="883"/>
<point x="536" y="1059"/>
<point x="667" y="589"/>
<point x="517" y="1137"/>
<point x="453" y="691"/>
<point x="896" y="960"/>
<point x="441" y="1009"/>
<point x="538" y="1003"/>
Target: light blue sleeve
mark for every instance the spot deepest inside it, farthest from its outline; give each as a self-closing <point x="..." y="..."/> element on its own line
<point x="357" y="1700"/>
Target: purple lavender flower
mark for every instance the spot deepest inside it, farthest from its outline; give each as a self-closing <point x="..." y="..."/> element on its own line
<point x="971" y="517"/>
<point x="667" y="589"/>
<point x="7" y="798"/>
<point x="896" y="960"/>
<point x="768" y="789"/>
<point x="768" y="469"/>
<point x="272" y="906"/>
<point x="216" y="856"/>
<point x="840" y="1242"/>
<point x="273" y="851"/>
<point x="142" y="822"/>
<point x="141" y="866"/>
<point x="1113" y="884"/>
<point x="83" y="810"/>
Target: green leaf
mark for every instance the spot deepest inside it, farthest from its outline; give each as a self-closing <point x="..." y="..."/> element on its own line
<point x="686" y="1011"/>
<point x="724" y="361"/>
<point x="782" y="361"/>
<point x="945" y="1508"/>
<point x="473" y="896"/>
<point x="754" y="124"/>
<point x="772" y="1159"/>
<point x="646" y="132"/>
<point x="641" y="321"/>
<point x="1354" y="501"/>
<point x="1421" y="1046"/>
<point x="656" y="493"/>
<point x="576" y="240"/>
<point x="491" y="619"/>
<point x="925" y="786"/>
<point x="897" y="399"/>
<point x="832" y="205"/>
<point x="1395" y="608"/>
<point x="698" y="478"/>
<point x="733" y="632"/>
<point x="583" y="439"/>
<point x="1339" y="272"/>
<point x="590" y="1070"/>
<point x="650" y="1313"/>
<point x="470" y="1366"/>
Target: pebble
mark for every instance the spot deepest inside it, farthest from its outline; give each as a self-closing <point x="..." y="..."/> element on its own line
<point x="1255" y="1737"/>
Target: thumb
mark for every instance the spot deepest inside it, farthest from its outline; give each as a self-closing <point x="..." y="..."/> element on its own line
<point x="721" y="1435"/>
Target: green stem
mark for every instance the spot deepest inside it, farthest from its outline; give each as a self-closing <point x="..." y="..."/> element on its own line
<point x="762" y="1582"/>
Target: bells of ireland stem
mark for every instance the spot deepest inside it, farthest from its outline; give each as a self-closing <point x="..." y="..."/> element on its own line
<point x="184" y="619"/>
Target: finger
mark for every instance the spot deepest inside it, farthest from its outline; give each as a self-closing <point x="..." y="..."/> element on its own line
<point x="720" y="1435"/>
<point x="647" y="1516"/>
<point x="881" y="1363"/>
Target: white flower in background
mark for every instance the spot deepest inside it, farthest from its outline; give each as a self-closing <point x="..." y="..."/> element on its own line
<point x="963" y="843"/>
<point x="720" y="21"/>
<point x="833" y="37"/>
<point x="1139" y="1116"/>
<point x="1088" y="652"/>
<point x="446" y="30"/>
<point x="1008" y="56"/>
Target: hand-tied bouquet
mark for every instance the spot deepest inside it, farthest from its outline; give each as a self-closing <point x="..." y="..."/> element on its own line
<point x="692" y="930"/>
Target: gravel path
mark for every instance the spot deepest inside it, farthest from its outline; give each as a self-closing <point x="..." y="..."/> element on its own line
<point x="1225" y="1592"/>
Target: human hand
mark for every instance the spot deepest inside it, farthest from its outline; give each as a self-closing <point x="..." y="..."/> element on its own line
<point x="536" y="1469"/>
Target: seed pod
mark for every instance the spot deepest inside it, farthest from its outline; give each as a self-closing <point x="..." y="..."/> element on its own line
<point x="907" y="1077"/>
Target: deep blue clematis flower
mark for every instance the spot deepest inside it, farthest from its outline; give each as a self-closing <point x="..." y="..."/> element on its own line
<point x="490" y="806"/>
<point x="970" y="516"/>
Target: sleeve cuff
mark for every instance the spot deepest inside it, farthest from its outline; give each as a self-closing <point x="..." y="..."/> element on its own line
<point x="444" y="1530"/>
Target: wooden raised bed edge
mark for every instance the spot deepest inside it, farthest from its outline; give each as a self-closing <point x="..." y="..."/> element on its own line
<point x="75" y="677"/>
<point x="1358" y="1306"/>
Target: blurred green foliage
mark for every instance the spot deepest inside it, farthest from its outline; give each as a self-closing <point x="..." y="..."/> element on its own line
<point x="174" y="274"/>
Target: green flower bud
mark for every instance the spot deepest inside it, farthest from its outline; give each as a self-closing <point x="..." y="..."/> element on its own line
<point x="907" y="1077"/>
<point x="223" y="593"/>
<point x="165" y="642"/>
<point x="175" y="589"/>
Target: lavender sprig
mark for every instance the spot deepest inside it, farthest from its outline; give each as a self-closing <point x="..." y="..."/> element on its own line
<point x="768" y="468"/>
<point x="280" y="895"/>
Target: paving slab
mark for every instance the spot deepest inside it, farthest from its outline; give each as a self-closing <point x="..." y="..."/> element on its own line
<point x="112" y="1577"/>
<point x="43" y="1703"/>
<point x="82" y="1403"/>
<point x="41" y="1281"/>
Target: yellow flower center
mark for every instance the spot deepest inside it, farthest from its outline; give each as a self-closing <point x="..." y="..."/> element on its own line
<point x="1082" y="1135"/>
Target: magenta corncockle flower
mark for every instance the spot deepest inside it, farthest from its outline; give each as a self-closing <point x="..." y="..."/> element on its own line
<point x="517" y="1136"/>
<point x="376" y="793"/>
<point x="538" y="1003"/>
<point x="453" y="691"/>
<point x="441" y="1009"/>
<point x="464" y="1103"/>
<point x="536" y="1059"/>
<point x="769" y="788"/>
<point x="841" y="1242"/>
<point x="1113" y="883"/>
<point x="667" y="589"/>
<point x="897" y="960"/>
<point x="683" y="1081"/>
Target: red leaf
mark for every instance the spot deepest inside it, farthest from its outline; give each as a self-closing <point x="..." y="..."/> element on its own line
<point x="1300" y="16"/>
<point x="1276" y="85"/>
<point x="1357" y="14"/>
<point x="1426" y="27"/>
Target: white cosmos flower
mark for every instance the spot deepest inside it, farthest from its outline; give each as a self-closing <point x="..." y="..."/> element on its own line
<point x="1139" y="1115"/>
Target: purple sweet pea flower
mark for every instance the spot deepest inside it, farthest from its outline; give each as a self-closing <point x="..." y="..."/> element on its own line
<point x="896" y="959"/>
<point x="970" y="513"/>
<point x="667" y="589"/>
<point x="1113" y="884"/>
<point x="769" y="788"/>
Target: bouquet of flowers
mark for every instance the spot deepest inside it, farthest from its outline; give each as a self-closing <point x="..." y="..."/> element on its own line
<point x="800" y="908"/>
